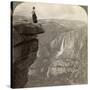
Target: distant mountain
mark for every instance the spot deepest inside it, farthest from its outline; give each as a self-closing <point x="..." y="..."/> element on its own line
<point x="21" y="19"/>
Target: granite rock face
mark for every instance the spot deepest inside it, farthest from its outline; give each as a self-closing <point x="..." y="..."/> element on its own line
<point x="62" y="54"/>
<point x="58" y="55"/>
<point x="25" y="47"/>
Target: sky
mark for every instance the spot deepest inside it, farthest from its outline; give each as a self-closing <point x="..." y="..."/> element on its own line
<point x="51" y="11"/>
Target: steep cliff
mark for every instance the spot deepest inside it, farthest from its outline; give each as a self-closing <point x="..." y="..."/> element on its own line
<point x="24" y="50"/>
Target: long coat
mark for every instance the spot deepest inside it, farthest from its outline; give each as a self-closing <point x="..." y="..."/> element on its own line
<point x="34" y="17"/>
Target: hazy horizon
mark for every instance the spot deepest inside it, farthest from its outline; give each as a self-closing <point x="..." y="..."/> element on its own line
<point x="51" y="11"/>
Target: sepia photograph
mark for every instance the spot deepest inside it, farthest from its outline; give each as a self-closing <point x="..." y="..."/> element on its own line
<point x="49" y="44"/>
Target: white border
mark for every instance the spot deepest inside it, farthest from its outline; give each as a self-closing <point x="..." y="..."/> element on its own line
<point x="5" y="45"/>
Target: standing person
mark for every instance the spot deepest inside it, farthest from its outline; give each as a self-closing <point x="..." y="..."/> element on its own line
<point x="34" y="17"/>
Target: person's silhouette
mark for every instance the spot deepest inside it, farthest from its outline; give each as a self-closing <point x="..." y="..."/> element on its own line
<point x="34" y="17"/>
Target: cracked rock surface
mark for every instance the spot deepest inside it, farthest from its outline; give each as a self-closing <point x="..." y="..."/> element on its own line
<point x="25" y="47"/>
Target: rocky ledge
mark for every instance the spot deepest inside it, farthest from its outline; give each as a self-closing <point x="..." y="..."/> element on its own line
<point x="24" y="49"/>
